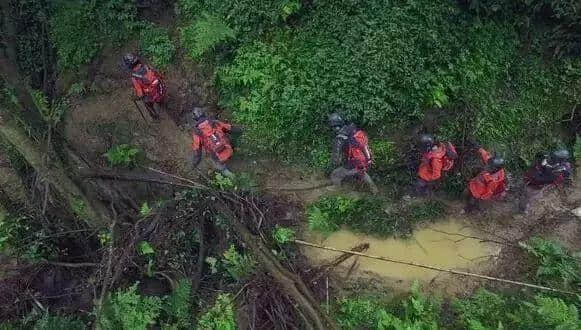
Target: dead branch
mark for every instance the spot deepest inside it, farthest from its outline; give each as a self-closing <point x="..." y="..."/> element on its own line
<point x="456" y="272"/>
<point x="324" y="269"/>
<point x="290" y="283"/>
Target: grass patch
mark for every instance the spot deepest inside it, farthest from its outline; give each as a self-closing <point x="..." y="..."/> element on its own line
<point x="372" y="216"/>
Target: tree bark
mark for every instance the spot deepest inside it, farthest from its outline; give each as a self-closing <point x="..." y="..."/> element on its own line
<point x="54" y="172"/>
<point x="291" y="284"/>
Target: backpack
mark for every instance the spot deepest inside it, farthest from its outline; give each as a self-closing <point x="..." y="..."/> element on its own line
<point x="215" y="140"/>
<point x="358" y="152"/>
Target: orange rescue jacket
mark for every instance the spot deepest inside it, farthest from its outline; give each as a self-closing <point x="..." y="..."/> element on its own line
<point x="211" y="137"/>
<point x="486" y="185"/>
<point x="434" y="162"/>
<point x="147" y="82"/>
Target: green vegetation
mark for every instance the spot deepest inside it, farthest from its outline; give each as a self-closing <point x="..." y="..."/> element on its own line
<point x="239" y="266"/>
<point x="157" y="46"/>
<point x="79" y="30"/>
<point x="484" y="310"/>
<point x="419" y="312"/>
<point x="283" y="235"/>
<point x="220" y="316"/>
<point x="126" y="309"/>
<point x="371" y="215"/>
<point x="577" y="148"/>
<point x="55" y="322"/>
<point x="51" y="113"/>
<point x="123" y="155"/>
<point x="22" y="238"/>
<point x="555" y="265"/>
<point x="204" y="35"/>
<point x="178" y="307"/>
<point x="403" y="60"/>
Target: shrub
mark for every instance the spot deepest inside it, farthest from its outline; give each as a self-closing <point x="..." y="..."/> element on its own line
<point x="554" y="262"/>
<point x="546" y="313"/>
<point x="418" y="312"/>
<point x="485" y="308"/>
<point x="204" y="35"/>
<point x="370" y="215"/>
<point x="126" y="309"/>
<point x="55" y="322"/>
<point x="283" y="235"/>
<point x="178" y="307"/>
<point x="381" y="74"/>
<point x="53" y="112"/>
<point x="24" y="237"/>
<point x="74" y="32"/>
<point x="240" y="266"/>
<point x="220" y="316"/>
<point x="577" y="149"/>
<point x="155" y="43"/>
<point x="247" y="17"/>
<point x="562" y="17"/>
<point x="123" y="155"/>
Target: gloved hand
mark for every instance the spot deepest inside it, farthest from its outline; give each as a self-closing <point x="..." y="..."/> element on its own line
<point x="136" y="98"/>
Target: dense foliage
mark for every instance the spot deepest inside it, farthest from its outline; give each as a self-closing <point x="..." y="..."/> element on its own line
<point x="371" y="215"/>
<point x="562" y="16"/>
<point x="80" y="29"/>
<point x="483" y="311"/>
<point x="157" y="46"/>
<point x="555" y="265"/>
<point x="386" y="66"/>
<point x="129" y="310"/>
<point x="204" y="35"/>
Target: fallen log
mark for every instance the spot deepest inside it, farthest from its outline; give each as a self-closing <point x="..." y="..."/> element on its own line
<point x="290" y="283"/>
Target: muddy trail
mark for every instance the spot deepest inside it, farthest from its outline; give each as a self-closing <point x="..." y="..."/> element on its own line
<point x="484" y="243"/>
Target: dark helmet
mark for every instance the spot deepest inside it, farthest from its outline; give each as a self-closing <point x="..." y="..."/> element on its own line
<point x="540" y="157"/>
<point x="130" y="60"/>
<point x="427" y="140"/>
<point x="560" y="155"/>
<point x="335" y="120"/>
<point x="198" y="113"/>
<point x="496" y="163"/>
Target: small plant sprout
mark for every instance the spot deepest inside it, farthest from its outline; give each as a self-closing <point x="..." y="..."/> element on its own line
<point x="123" y="155"/>
<point x="240" y="266"/>
<point x="283" y="235"/>
<point x="145" y="210"/>
<point x="145" y="249"/>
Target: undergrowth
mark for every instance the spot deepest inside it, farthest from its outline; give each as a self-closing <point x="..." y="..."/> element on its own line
<point x="220" y="316"/>
<point x="204" y="35"/>
<point x="157" y="46"/>
<point x="80" y="29"/>
<point x="482" y="311"/>
<point x="127" y="309"/>
<point x="123" y="155"/>
<point x="371" y="215"/>
<point x="555" y="264"/>
<point x="240" y="266"/>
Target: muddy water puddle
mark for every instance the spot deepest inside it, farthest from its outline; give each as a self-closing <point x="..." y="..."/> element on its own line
<point x="437" y="244"/>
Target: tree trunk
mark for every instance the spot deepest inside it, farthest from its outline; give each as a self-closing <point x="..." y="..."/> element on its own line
<point x="8" y="31"/>
<point x="54" y="172"/>
<point x="291" y="284"/>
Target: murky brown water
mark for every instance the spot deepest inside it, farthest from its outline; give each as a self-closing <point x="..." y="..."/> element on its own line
<point x="430" y="245"/>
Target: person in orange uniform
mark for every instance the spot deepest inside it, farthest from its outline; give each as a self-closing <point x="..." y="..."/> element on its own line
<point x="211" y="136"/>
<point x="437" y="159"/>
<point x="552" y="170"/>
<point x="147" y="84"/>
<point x="490" y="183"/>
<point x="351" y="155"/>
